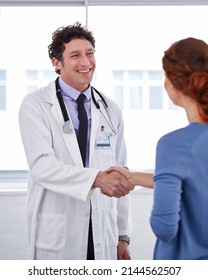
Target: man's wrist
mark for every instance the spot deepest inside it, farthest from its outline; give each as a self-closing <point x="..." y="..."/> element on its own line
<point x="124" y="238"/>
<point x="99" y="180"/>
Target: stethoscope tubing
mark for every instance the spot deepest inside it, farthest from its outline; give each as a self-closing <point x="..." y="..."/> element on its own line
<point x="67" y="127"/>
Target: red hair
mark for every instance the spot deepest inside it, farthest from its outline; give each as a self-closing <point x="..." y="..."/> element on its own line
<point x="186" y="66"/>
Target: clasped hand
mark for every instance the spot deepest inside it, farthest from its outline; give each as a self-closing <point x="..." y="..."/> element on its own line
<point x="113" y="183"/>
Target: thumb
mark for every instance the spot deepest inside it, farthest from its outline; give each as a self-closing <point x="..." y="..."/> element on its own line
<point x="110" y="169"/>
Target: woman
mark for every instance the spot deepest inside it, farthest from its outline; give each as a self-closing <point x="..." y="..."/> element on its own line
<point x="179" y="214"/>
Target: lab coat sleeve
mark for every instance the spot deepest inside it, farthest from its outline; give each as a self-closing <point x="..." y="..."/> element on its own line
<point x="45" y="169"/>
<point x="125" y="225"/>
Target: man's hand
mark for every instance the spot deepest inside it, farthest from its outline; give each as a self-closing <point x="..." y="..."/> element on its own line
<point x="113" y="184"/>
<point x="123" y="251"/>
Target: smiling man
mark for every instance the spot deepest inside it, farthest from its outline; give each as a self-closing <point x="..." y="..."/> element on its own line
<point x="71" y="134"/>
<point x="77" y="64"/>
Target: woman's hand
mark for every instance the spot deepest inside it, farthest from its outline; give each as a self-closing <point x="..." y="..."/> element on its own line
<point x="135" y="178"/>
<point x="124" y="170"/>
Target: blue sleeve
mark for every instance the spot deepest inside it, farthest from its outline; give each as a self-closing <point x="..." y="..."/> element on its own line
<point x="165" y="214"/>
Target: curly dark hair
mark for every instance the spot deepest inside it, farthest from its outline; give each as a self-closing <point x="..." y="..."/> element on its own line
<point x="64" y="35"/>
<point x="186" y="66"/>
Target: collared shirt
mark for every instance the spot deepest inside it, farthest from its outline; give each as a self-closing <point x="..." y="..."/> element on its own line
<point x="70" y="96"/>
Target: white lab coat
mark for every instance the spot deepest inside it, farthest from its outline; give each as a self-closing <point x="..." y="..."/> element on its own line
<point x="59" y="187"/>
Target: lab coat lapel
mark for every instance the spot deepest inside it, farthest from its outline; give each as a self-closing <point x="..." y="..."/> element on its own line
<point x="95" y="121"/>
<point x="69" y="138"/>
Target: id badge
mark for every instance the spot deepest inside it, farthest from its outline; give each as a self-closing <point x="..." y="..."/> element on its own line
<point x="103" y="142"/>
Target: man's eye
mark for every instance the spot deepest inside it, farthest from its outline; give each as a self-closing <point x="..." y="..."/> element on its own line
<point x="74" y="56"/>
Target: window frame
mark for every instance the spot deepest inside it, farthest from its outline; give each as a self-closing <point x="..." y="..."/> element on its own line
<point x="101" y="2"/>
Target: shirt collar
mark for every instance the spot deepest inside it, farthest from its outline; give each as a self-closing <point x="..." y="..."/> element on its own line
<point x="72" y="92"/>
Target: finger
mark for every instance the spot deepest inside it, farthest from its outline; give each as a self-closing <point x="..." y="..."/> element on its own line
<point x="111" y="169"/>
<point x="123" y="171"/>
<point x="119" y="256"/>
<point x="116" y="193"/>
<point x="119" y="191"/>
<point x="124" y="167"/>
<point x="126" y="184"/>
<point x="126" y="257"/>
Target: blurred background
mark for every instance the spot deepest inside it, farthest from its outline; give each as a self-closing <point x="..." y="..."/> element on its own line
<point x="131" y="37"/>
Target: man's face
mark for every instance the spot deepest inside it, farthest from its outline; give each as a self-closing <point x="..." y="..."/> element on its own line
<point x="77" y="65"/>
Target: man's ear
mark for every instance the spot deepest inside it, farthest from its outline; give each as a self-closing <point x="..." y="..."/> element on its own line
<point x="56" y="63"/>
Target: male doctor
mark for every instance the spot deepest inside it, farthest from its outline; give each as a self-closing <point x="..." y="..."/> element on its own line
<point x="76" y="210"/>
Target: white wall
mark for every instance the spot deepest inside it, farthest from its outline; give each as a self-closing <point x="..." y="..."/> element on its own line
<point x="13" y="229"/>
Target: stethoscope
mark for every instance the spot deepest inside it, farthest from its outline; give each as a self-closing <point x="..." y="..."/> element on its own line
<point x="67" y="126"/>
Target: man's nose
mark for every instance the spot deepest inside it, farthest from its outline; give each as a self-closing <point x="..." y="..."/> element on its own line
<point x="85" y="60"/>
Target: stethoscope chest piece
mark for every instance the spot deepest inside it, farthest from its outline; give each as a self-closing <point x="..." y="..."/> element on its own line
<point x="67" y="127"/>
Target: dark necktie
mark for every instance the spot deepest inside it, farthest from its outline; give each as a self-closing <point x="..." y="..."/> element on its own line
<point x="82" y="141"/>
<point x="83" y="127"/>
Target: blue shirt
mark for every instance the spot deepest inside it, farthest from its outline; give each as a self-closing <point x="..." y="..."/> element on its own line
<point x="70" y="96"/>
<point x="179" y="217"/>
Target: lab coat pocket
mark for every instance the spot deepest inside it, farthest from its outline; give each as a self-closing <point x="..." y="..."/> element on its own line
<point x="51" y="232"/>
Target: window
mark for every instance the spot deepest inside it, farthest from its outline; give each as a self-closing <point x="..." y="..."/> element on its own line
<point x="155" y="75"/>
<point x="155" y="97"/>
<point x="118" y="75"/>
<point x="119" y="96"/>
<point x="37" y="78"/>
<point x="143" y="88"/>
<point x="2" y="90"/>
<point x="135" y="75"/>
<point x="129" y="68"/>
<point x="135" y="97"/>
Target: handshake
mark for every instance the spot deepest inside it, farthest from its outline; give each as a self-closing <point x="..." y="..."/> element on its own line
<point x="119" y="181"/>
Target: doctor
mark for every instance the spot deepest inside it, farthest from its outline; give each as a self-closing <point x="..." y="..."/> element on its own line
<point x="76" y="210"/>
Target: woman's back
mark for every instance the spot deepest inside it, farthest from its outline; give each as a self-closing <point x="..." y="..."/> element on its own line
<point x="181" y="194"/>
